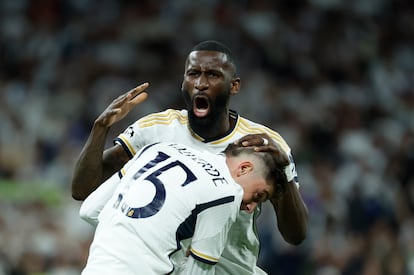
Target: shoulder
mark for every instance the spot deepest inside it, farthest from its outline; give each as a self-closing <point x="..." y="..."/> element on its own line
<point x="250" y="127"/>
<point x="164" y="117"/>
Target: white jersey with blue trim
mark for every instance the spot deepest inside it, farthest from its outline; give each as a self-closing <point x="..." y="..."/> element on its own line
<point x="166" y="193"/>
<point x="242" y="250"/>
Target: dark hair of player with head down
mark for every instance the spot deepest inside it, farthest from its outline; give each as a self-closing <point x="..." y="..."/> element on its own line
<point x="272" y="165"/>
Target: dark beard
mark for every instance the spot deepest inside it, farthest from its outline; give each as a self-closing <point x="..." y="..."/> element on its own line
<point x="211" y="126"/>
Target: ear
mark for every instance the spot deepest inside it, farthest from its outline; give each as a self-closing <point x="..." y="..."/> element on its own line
<point x="235" y="86"/>
<point x="245" y="168"/>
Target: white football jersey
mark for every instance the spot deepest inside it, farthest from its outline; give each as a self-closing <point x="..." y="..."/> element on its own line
<point x="166" y="193"/>
<point x="242" y="250"/>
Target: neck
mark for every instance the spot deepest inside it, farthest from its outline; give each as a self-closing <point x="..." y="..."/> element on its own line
<point x="212" y="128"/>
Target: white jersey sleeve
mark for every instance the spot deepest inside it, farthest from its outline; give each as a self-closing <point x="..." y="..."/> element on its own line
<point x="211" y="234"/>
<point x="169" y="125"/>
<point x="212" y="227"/>
<point x="93" y="204"/>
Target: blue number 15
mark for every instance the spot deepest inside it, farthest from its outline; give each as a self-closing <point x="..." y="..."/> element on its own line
<point x="158" y="201"/>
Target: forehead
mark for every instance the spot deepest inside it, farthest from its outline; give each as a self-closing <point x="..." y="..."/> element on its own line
<point x="208" y="60"/>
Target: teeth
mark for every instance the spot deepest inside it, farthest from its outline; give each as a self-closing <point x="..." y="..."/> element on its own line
<point x="200" y="112"/>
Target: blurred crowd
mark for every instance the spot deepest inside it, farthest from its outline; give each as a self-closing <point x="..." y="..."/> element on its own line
<point x="335" y="78"/>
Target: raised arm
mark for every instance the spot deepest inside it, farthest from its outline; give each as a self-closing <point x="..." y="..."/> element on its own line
<point x="291" y="211"/>
<point x="94" y="165"/>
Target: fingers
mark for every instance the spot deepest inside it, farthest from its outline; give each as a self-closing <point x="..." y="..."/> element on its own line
<point x="138" y="94"/>
<point x="260" y="142"/>
<point x="254" y="140"/>
<point x="263" y="143"/>
<point x="134" y="96"/>
<point x="114" y="111"/>
<point x="137" y="90"/>
<point x="139" y="98"/>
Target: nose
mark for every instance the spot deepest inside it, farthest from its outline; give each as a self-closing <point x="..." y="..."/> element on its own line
<point x="202" y="82"/>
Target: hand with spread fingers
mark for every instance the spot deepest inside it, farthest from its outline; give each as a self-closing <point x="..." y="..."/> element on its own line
<point x="122" y="105"/>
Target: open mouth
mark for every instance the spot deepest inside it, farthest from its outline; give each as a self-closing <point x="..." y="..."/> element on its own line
<point x="201" y="106"/>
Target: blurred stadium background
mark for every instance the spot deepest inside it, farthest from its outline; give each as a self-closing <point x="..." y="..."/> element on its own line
<point x="334" y="77"/>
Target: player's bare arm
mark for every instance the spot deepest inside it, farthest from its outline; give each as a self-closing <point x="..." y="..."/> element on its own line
<point x="291" y="214"/>
<point x="94" y="165"/>
<point x="291" y="211"/>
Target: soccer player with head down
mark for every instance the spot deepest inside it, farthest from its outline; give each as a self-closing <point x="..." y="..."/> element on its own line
<point x="210" y="79"/>
<point x="168" y="193"/>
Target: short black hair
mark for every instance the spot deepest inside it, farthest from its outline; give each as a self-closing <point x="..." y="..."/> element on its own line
<point x="213" y="45"/>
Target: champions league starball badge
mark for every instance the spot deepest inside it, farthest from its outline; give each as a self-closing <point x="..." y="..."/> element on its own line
<point x="129" y="131"/>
